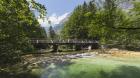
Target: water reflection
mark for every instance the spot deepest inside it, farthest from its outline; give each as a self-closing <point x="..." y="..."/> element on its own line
<point x="59" y="65"/>
<point x="56" y="70"/>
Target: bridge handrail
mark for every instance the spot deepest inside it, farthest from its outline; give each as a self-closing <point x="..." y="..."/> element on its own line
<point x="63" y="41"/>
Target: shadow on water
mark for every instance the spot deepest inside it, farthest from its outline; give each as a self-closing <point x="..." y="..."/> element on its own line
<point x="122" y="72"/>
<point x="6" y="74"/>
<point x="52" y="68"/>
<point x="57" y="69"/>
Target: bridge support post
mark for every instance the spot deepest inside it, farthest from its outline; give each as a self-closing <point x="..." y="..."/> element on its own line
<point x="77" y="47"/>
<point x="73" y="47"/>
<point x="55" y="48"/>
<point x="89" y="48"/>
<point x="95" y="46"/>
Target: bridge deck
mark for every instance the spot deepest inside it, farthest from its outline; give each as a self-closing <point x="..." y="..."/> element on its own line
<point x="61" y="42"/>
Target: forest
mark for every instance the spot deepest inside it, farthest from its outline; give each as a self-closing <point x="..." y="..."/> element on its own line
<point x="107" y="22"/>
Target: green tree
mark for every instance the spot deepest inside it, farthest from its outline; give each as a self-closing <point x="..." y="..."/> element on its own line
<point x="52" y="34"/>
<point x="15" y="19"/>
<point x="78" y="24"/>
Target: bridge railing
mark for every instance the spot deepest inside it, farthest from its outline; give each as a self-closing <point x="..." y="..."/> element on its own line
<point x="62" y="41"/>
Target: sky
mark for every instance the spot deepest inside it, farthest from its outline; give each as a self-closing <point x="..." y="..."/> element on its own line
<point x="57" y="10"/>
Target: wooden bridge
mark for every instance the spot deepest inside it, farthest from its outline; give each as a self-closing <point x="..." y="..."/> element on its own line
<point x="63" y="42"/>
<point x="39" y="43"/>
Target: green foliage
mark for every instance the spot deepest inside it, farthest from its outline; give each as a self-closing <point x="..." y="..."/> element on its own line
<point x="104" y="20"/>
<point x="77" y="24"/>
<point x="17" y="26"/>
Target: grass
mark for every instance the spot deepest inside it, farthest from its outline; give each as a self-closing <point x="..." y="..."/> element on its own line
<point x="99" y="67"/>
